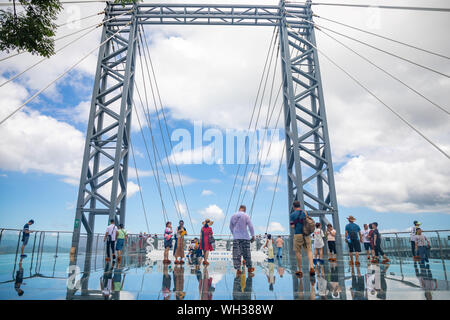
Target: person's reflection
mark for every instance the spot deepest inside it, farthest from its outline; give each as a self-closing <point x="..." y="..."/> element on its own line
<point x="358" y="284"/>
<point x="270" y="276"/>
<point x="427" y="282"/>
<point x="322" y="283"/>
<point x="381" y="293"/>
<point x="106" y="281"/>
<point x="242" y="287"/>
<point x="166" y="282"/>
<point x="19" y="279"/>
<point x="178" y="282"/>
<point x="335" y="288"/>
<point x="280" y="268"/>
<point x="204" y="285"/>
<point x="118" y="281"/>
<point x="312" y="293"/>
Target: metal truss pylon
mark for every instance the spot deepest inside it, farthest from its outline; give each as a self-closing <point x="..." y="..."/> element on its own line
<point x="104" y="173"/>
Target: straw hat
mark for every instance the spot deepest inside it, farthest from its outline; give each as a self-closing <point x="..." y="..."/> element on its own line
<point x="351" y="218"/>
<point x="209" y="222"/>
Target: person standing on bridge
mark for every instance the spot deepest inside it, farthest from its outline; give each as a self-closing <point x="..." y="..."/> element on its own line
<point x="413" y="233"/>
<point x="25" y="237"/>
<point x="331" y="240"/>
<point x="297" y="219"/>
<point x="206" y="240"/>
<point x="178" y="250"/>
<point x="121" y="239"/>
<point x="167" y="242"/>
<point x="240" y="223"/>
<point x="110" y="238"/>
<point x="352" y="230"/>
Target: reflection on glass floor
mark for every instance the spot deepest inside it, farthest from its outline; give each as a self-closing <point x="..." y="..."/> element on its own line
<point x="137" y="277"/>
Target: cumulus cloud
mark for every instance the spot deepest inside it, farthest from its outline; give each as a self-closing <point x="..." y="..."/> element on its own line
<point x="213" y="212"/>
<point x="273" y="227"/>
<point x="379" y="162"/>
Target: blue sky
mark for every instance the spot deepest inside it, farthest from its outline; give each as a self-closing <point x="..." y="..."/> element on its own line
<point x="384" y="172"/>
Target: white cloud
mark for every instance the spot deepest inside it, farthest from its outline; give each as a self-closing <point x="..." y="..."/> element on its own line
<point x="273" y="227"/>
<point x="213" y="212"/>
<point x="207" y="193"/>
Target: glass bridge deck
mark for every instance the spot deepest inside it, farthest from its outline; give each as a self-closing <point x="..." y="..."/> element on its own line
<point x="48" y="273"/>
<point x="140" y="278"/>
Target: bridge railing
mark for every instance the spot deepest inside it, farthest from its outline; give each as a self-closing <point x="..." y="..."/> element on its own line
<point x="59" y="242"/>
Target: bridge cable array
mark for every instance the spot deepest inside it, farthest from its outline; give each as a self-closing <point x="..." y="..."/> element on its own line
<point x="271" y="44"/>
<point x="376" y="97"/>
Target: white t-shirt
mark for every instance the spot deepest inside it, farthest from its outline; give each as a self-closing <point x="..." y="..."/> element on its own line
<point x="421" y="240"/>
<point x="413" y="233"/>
<point x="112" y="230"/>
<point x="318" y="238"/>
<point x="365" y="235"/>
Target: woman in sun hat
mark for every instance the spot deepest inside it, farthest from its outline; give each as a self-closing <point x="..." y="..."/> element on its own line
<point x="206" y="239"/>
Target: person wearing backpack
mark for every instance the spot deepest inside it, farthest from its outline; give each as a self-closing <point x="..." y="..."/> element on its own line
<point x="353" y="238"/>
<point x="302" y="240"/>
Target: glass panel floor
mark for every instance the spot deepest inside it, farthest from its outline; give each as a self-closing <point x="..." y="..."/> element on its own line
<point x="140" y="278"/>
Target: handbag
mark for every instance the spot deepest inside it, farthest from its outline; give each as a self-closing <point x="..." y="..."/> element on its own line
<point x="211" y="239"/>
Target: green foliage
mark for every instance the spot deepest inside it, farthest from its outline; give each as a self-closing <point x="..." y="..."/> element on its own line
<point x="32" y="29"/>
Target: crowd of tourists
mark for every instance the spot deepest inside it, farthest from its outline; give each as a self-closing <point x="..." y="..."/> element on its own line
<point x="309" y="237"/>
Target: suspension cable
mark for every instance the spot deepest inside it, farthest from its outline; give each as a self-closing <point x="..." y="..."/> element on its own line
<point x="61" y="75"/>
<point x="276" y="185"/>
<point x="256" y="123"/>
<point x="165" y="120"/>
<point x="386" y="72"/>
<point x="140" y="188"/>
<point x="371" y="46"/>
<point x="383" y="37"/>
<point x="249" y="126"/>
<point x="155" y="175"/>
<point x="80" y="19"/>
<point x="155" y="172"/>
<point x="376" y="97"/>
<point x="373" y="6"/>
<point x="60" y="49"/>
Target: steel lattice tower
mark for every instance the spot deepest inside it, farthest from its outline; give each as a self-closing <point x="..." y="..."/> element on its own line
<point x="103" y="183"/>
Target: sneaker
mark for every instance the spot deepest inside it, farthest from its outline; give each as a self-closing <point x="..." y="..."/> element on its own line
<point x="107" y="259"/>
<point x="181" y="262"/>
<point x="312" y="272"/>
<point x="299" y="274"/>
<point x="368" y="257"/>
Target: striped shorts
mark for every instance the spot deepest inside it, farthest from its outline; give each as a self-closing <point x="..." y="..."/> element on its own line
<point x="241" y="248"/>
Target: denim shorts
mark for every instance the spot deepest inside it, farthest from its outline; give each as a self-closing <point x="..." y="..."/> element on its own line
<point x="119" y="244"/>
